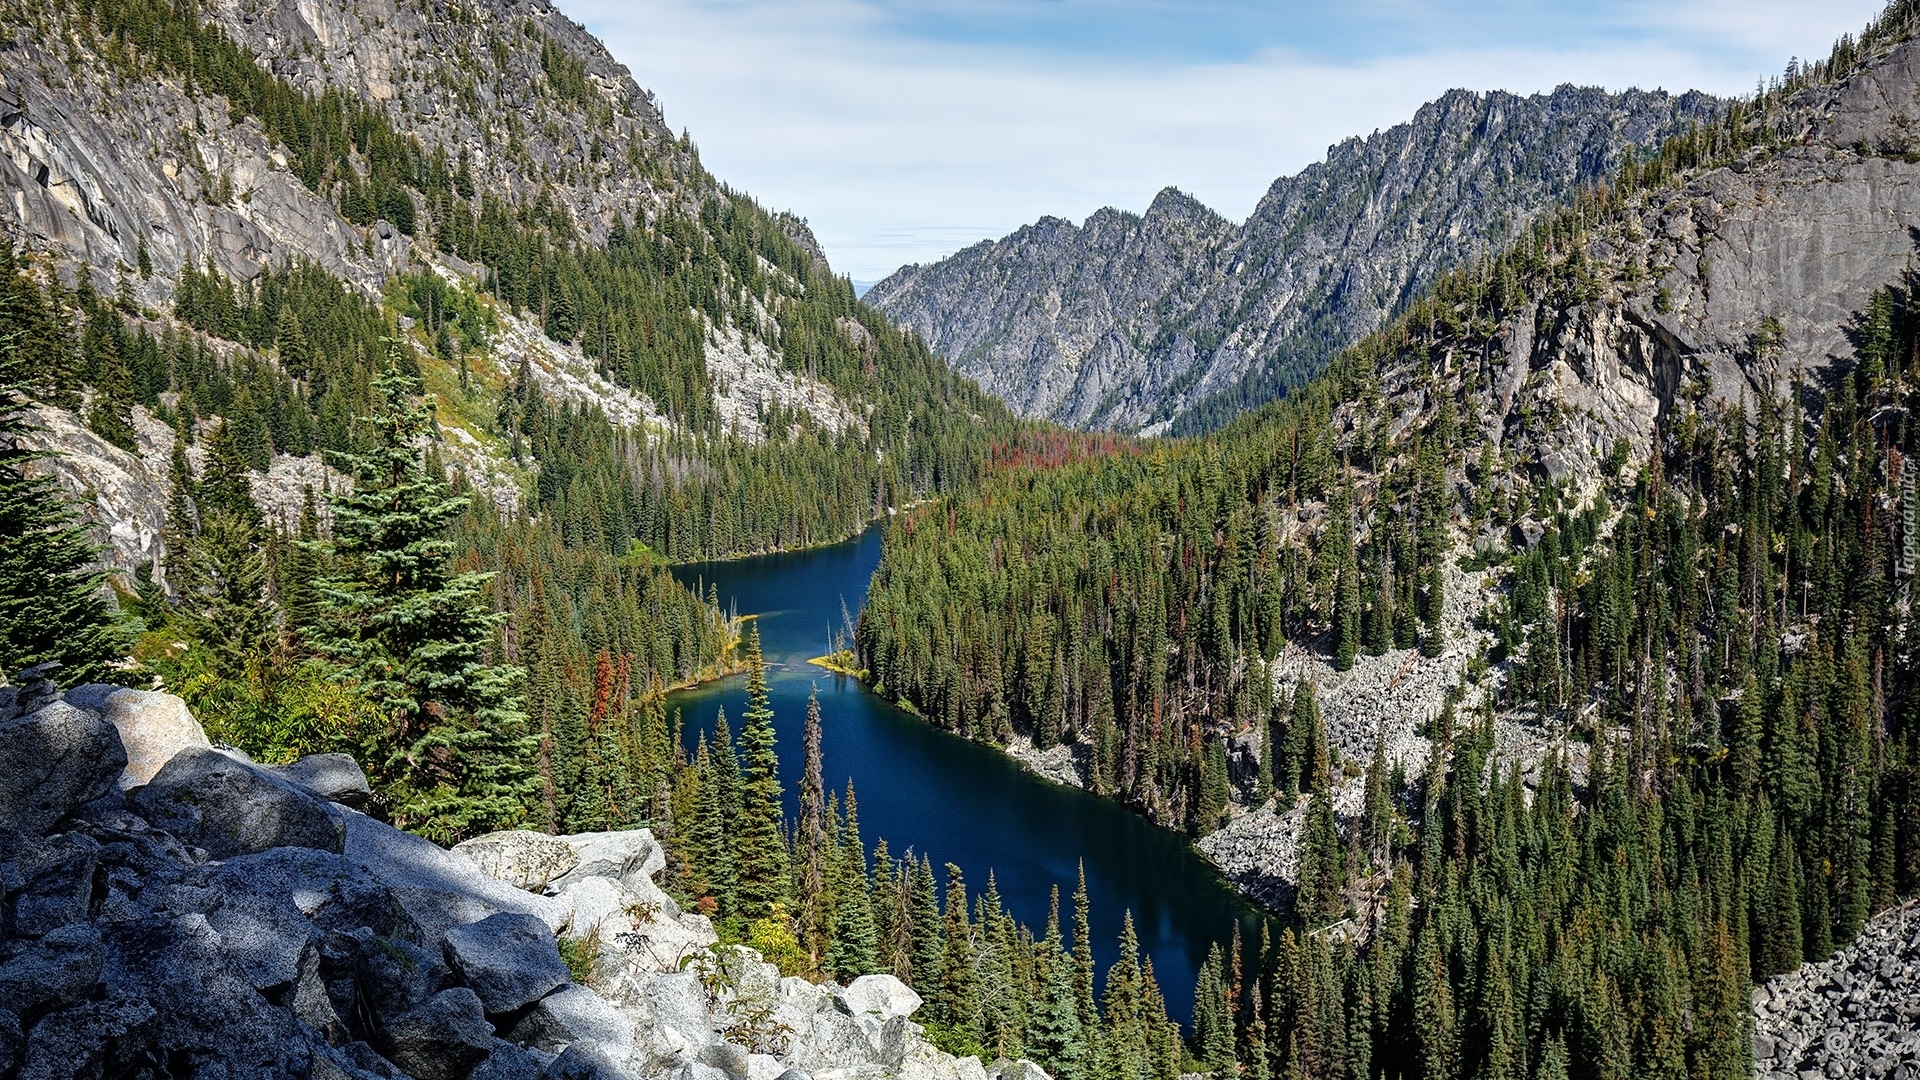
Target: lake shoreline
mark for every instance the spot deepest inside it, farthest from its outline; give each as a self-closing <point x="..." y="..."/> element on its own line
<point x="989" y="810"/>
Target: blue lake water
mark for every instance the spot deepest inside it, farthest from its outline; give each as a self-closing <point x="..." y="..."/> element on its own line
<point x="953" y="800"/>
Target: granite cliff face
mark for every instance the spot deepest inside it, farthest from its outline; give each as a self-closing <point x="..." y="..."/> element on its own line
<point x="97" y="165"/>
<point x="1177" y="318"/>
<point x="132" y="178"/>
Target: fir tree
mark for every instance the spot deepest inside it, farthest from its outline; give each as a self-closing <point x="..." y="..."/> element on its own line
<point x="1054" y="1032"/>
<point x="924" y="926"/>
<point x="456" y="756"/>
<point x="956" y="991"/>
<point x="221" y="576"/>
<point x="812" y="838"/>
<point x="855" y="949"/>
<point x="51" y="602"/>
<point x="1213" y="1035"/>
<point x="760" y="851"/>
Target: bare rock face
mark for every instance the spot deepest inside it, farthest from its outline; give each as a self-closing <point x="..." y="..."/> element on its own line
<point x="334" y="777"/>
<point x="112" y="171"/>
<point x="1134" y="322"/>
<point x="443" y="1039"/>
<point x="153" y="727"/>
<point x="126" y="946"/>
<point x="215" y="801"/>
<point x="53" y="760"/>
<point x="509" y="960"/>
<point x="525" y="860"/>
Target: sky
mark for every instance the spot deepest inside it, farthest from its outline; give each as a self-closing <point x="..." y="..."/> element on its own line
<point x="905" y="130"/>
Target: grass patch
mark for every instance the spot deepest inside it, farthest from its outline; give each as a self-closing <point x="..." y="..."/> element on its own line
<point x="580" y="954"/>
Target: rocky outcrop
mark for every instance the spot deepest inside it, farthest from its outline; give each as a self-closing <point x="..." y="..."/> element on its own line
<point x="230" y="919"/>
<point x="1855" y="1014"/>
<point x="129" y="176"/>
<point x="1129" y="322"/>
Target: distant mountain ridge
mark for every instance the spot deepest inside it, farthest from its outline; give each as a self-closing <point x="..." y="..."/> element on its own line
<point x="1178" y="318"/>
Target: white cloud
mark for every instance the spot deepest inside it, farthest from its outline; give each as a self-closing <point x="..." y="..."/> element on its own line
<point x="903" y="149"/>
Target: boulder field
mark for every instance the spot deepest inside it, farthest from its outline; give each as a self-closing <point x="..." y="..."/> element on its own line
<point x="173" y="908"/>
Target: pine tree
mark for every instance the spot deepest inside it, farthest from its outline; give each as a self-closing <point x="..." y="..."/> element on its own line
<point x="1777" y="946"/>
<point x="1317" y="900"/>
<point x="1083" y="956"/>
<point x="1435" y="1035"/>
<point x="812" y="838"/>
<point x="456" y="757"/>
<point x="1213" y="1015"/>
<point x="1124" y="1036"/>
<point x="956" y="992"/>
<point x="924" y="927"/>
<point x="111" y="414"/>
<point x="760" y="851"/>
<point x="1304" y="732"/>
<point x="709" y="855"/>
<point x="1055" y="1036"/>
<point x="224" y="485"/>
<point x="52" y="606"/>
<point x="301" y="568"/>
<point x="855" y="949"/>
<point x="222" y="581"/>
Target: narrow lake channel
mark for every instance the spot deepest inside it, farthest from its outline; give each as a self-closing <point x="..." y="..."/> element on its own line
<point x="953" y="800"/>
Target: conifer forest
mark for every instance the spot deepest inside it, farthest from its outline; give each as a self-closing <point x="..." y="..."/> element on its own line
<point x="425" y="492"/>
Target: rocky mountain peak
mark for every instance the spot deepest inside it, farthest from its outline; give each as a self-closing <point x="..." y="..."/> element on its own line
<point x="1176" y="318"/>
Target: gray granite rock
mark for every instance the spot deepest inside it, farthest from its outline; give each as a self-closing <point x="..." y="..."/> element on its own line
<point x="227" y="806"/>
<point x="525" y="860"/>
<point x="509" y="959"/>
<point x="442" y="1039"/>
<point x="574" y="1014"/>
<point x="52" y="760"/>
<point x="334" y="777"/>
<point x="1853" y="1014"/>
<point x="587" y="1061"/>
<point x="436" y="888"/>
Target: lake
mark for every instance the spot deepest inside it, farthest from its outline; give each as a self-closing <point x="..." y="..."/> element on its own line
<point x="953" y="800"/>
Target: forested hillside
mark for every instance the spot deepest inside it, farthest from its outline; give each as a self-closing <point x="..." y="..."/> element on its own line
<point x="233" y="285"/>
<point x="1661" y="440"/>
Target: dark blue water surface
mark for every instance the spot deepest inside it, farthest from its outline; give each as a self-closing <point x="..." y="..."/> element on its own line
<point x="953" y="800"/>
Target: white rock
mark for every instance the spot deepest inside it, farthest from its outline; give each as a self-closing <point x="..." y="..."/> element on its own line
<point x="882" y="996"/>
<point x="677" y="1005"/>
<point x="571" y="1014"/>
<point x="525" y="860"/>
<point x="153" y="727"/>
<point x="596" y="903"/>
<point x="631" y="857"/>
<point x="437" y="888"/>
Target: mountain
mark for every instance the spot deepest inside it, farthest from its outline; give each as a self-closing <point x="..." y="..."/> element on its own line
<point x="183" y="159"/>
<point x="1547" y="657"/>
<point x="1176" y="319"/>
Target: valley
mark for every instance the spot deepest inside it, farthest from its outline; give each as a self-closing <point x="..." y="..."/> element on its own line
<point x="1454" y="624"/>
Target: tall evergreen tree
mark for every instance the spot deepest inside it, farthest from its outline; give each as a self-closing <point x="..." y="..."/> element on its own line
<point x="760" y="849"/>
<point x="52" y="606"/>
<point x="812" y="838"/>
<point x="1054" y="1032"/>
<point x="855" y="948"/>
<point x="456" y="757"/>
